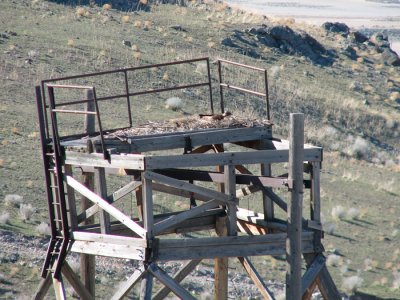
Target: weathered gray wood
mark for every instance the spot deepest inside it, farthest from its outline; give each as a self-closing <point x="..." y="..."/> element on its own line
<point x="146" y="286"/>
<point x="187" y="186"/>
<point x="87" y="262"/>
<point x="75" y="282"/>
<point x="148" y="219"/>
<point x="71" y="202"/>
<point x="252" y="272"/>
<point x="268" y="204"/>
<point x="248" y="190"/>
<point x="43" y="287"/>
<point x="226" y="246"/>
<point x="169" y="282"/>
<point x="295" y="207"/>
<point x="312" y="272"/>
<point x="116" y="161"/>
<point x="221" y="266"/>
<point x="230" y="190"/>
<point x="178" y="277"/>
<point x="124" y="289"/>
<point x="139" y="197"/>
<point x="236" y="158"/>
<point x="101" y="190"/>
<point x="89" y="123"/>
<point x="124" y="219"/>
<point x="108" y="238"/>
<point x="92" y="210"/>
<point x="177" y="192"/>
<point x="59" y="288"/>
<point x="325" y="283"/>
<point x="315" y="204"/>
<point x="177" y="219"/>
<point x="108" y="249"/>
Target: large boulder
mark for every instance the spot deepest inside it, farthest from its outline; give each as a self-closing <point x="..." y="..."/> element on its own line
<point x="336" y="27"/>
<point x="390" y="58"/>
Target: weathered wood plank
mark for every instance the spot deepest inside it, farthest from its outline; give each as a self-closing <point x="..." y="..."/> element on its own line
<point x="117" y="161"/>
<point x="124" y="219"/>
<point x="229" y="246"/>
<point x="311" y="273"/>
<point x="43" y="287"/>
<point x="75" y="282"/>
<point x="101" y="190"/>
<point x="235" y="158"/>
<point x="325" y="283"/>
<point x="71" y="202"/>
<point x="295" y="208"/>
<point x="108" y="238"/>
<point x="183" y="216"/>
<point x="146" y="286"/>
<point x="148" y="219"/>
<point x="187" y="186"/>
<point x="124" y="289"/>
<point x="221" y="266"/>
<point x="59" y="289"/>
<point x="177" y="192"/>
<point x="108" y="249"/>
<point x="251" y="270"/>
<point x="169" y="282"/>
<point x="178" y="277"/>
<point x="230" y="190"/>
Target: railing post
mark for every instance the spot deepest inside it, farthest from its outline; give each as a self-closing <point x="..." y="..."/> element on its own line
<point x="295" y="205"/>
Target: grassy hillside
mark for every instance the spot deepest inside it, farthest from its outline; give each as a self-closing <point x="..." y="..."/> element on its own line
<point x="351" y="103"/>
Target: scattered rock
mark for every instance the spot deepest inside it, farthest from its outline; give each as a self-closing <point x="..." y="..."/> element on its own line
<point x="390" y="58"/>
<point x="228" y="42"/>
<point x="178" y="28"/>
<point x="350" y="52"/>
<point x="380" y="39"/>
<point x="336" y="27"/>
<point x="358" y="37"/>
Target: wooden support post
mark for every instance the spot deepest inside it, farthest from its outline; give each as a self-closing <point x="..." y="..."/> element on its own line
<point x="139" y="199"/>
<point x="230" y="189"/>
<point x="268" y="204"/>
<point x="59" y="289"/>
<point x="43" y="288"/>
<point x="221" y="265"/>
<point x="295" y="205"/>
<point x="148" y="221"/>
<point x="101" y="190"/>
<point x="88" y="262"/>
<point x="72" y="215"/>
<point x="75" y="282"/>
<point x="124" y="289"/>
<point x="315" y="203"/>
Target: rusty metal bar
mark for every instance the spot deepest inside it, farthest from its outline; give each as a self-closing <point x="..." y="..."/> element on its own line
<point x="209" y="86"/>
<point x="75" y="112"/>
<point x="267" y="94"/>
<point x="105" y="153"/>
<point x="67" y="86"/>
<point x="241" y="65"/>
<point x="125" y="70"/>
<point x="128" y="101"/>
<point x="242" y="89"/>
<point x="221" y="93"/>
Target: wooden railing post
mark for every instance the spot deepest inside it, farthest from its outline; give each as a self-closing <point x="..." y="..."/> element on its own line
<point x="295" y="205"/>
<point x="88" y="262"/>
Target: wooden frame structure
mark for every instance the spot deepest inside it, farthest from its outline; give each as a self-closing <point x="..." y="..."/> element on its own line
<point x="76" y="172"/>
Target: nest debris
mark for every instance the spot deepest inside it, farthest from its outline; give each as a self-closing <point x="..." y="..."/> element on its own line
<point x="191" y="123"/>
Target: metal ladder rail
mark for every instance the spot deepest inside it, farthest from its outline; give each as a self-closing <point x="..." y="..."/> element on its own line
<point x="50" y="196"/>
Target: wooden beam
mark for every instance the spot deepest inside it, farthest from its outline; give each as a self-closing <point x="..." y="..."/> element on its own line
<point x="221" y="264"/>
<point x="75" y="282"/>
<point x="235" y="158"/>
<point x="101" y="190"/>
<point x="43" y="287"/>
<point x="146" y="286"/>
<point x="169" y="282"/>
<point x="325" y="283"/>
<point x="116" y="161"/>
<point x="295" y="208"/>
<point x="177" y="191"/>
<point x="108" y="239"/>
<point x="226" y="246"/>
<point x="59" y="289"/>
<point x="71" y="202"/>
<point x="124" y="219"/>
<point x="124" y="289"/>
<point x="315" y="203"/>
<point x="311" y="273"/>
<point x="183" y="216"/>
<point x="251" y="270"/>
<point x="230" y="190"/>
<point x="187" y="186"/>
<point x="178" y="277"/>
<point x="148" y="219"/>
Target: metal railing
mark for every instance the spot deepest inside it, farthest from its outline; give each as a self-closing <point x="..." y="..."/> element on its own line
<point x="241" y="89"/>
